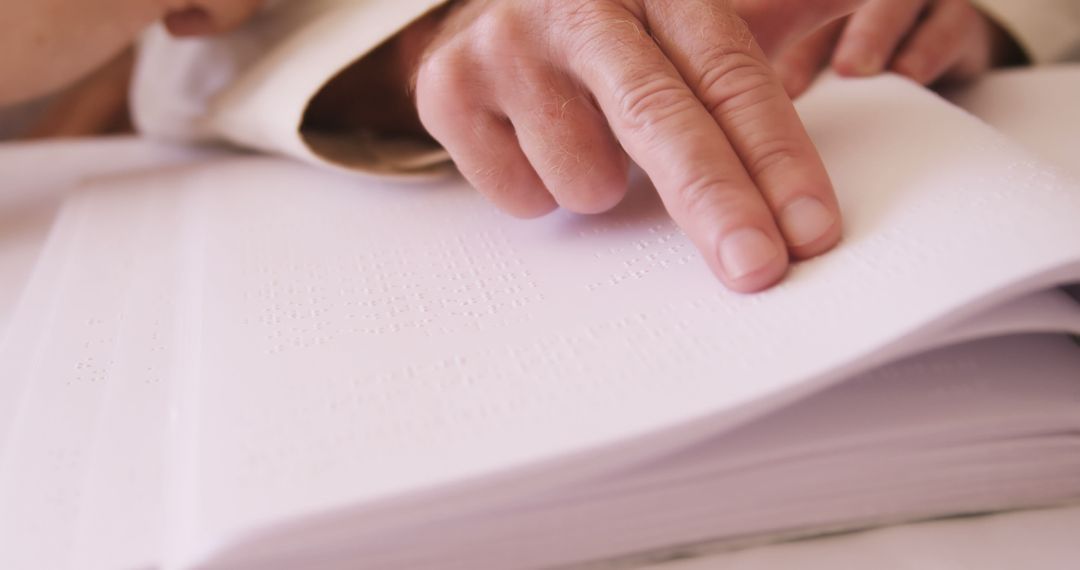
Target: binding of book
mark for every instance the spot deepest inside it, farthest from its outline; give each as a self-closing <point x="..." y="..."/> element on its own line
<point x="241" y="362"/>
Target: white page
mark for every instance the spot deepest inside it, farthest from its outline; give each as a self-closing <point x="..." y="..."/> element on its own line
<point x="23" y="233"/>
<point x="32" y="171"/>
<point x="120" y="523"/>
<point x="986" y="425"/>
<point x="362" y="343"/>
<point x="1052" y="310"/>
<point x="25" y="338"/>
<point x="53" y="442"/>
<point x="45" y="455"/>
<point x="34" y="178"/>
<point x="1036" y="107"/>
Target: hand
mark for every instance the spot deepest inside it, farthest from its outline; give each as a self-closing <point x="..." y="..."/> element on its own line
<point x="96" y="105"/>
<point x="926" y="40"/>
<point x="536" y="101"/>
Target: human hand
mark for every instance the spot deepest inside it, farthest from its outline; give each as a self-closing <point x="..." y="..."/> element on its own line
<point x="536" y="100"/>
<point x="926" y="40"/>
<point x="96" y="105"/>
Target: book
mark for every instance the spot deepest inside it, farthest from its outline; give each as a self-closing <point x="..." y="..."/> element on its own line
<point x="243" y="362"/>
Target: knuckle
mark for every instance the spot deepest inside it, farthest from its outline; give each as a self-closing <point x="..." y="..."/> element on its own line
<point x="441" y="79"/>
<point x="592" y="28"/>
<point x="736" y="82"/>
<point x="498" y="31"/>
<point x="710" y="195"/>
<point x="771" y="154"/>
<point x="644" y="103"/>
<point x="441" y="71"/>
<point x="579" y="15"/>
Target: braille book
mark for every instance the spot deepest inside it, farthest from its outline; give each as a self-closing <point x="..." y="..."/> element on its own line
<point x="236" y="362"/>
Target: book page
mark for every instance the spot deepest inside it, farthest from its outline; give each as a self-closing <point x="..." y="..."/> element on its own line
<point x="983" y="426"/>
<point x="361" y="342"/>
<point x="1033" y="106"/>
<point x="120" y="522"/>
<point x="84" y="369"/>
<point x="35" y="177"/>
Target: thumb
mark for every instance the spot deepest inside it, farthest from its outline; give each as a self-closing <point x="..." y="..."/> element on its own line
<point x="777" y="24"/>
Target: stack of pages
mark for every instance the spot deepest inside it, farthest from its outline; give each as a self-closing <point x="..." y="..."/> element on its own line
<point x="242" y="362"/>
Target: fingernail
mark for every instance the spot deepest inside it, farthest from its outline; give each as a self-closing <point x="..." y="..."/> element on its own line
<point x="746" y="251"/>
<point x="805" y="220"/>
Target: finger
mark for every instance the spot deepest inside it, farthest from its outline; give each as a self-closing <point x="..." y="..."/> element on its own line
<point x="96" y="105"/>
<point x="801" y="63"/>
<point x="780" y="24"/>
<point x="566" y="139"/>
<point x="207" y="17"/>
<point x="749" y="103"/>
<point x="874" y="34"/>
<point x="667" y="130"/>
<point x="936" y="46"/>
<point x="481" y="142"/>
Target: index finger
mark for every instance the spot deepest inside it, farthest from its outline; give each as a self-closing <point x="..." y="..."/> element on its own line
<point x="666" y="129"/>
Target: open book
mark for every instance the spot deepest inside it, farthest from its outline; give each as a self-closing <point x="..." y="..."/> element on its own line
<point x="241" y="362"/>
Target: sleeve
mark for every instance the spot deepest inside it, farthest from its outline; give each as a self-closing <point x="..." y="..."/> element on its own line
<point x="252" y="87"/>
<point x="1047" y="30"/>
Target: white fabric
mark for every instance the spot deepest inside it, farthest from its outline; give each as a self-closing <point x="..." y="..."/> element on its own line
<point x="253" y="86"/>
<point x="1047" y="30"/>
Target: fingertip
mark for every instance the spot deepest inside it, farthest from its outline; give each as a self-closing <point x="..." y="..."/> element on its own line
<point x="600" y="190"/>
<point x="845" y="67"/>
<point x="530" y="207"/>
<point x="594" y="202"/>
<point x="856" y="58"/>
<point x="822" y="245"/>
<point x="810" y="226"/>
<point x="189" y="23"/>
<point x="749" y="260"/>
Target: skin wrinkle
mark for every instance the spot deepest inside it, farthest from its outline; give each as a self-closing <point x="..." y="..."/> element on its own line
<point x="738" y="90"/>
<point x="734" y="45"/>
<point x="650" y="103"/>
<point x="769" y="154"/>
